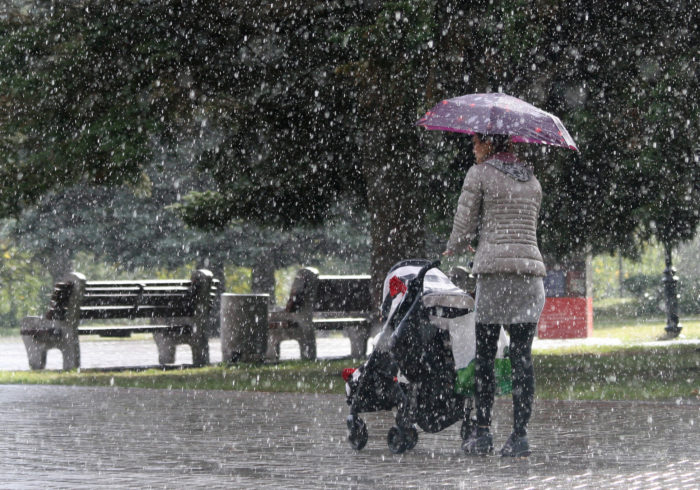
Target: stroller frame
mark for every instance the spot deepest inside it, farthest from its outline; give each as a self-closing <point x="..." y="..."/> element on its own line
<point x="421" y="352"/>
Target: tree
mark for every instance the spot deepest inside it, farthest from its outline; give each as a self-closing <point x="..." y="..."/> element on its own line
<point x="669" y="103"/>
<point x="75" y="107"/>
<point x="166" y="85"/>
<point x="292" y="108"/>
<point x="141" y="231"/>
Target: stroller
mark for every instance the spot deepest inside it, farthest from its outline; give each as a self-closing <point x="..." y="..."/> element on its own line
<point x="422" y="363"/>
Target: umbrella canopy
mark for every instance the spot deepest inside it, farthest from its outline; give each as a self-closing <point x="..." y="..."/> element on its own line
<point x="498" y="113"/>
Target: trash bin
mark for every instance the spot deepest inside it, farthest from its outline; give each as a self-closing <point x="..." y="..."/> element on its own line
<point x="244" y="327"/>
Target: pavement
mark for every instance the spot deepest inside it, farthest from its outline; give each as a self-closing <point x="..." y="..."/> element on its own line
<point x="104" y="353"/>
<point x="79" y="437"/>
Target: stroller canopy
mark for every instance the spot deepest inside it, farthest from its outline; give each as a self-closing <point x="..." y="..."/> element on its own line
<point x="444" y="299"/>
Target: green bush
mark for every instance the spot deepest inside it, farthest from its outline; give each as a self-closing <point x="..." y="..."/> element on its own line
<point x="619" y="308"/>
<point x="647" y="290"/>
<point x="642" y="285"/>
<point x="23" y="286"/>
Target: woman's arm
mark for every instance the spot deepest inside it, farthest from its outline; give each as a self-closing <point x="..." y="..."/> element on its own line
<point x="466" y="220"/>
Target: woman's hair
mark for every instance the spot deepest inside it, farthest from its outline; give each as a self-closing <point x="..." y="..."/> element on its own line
<point x="499" y="142"/>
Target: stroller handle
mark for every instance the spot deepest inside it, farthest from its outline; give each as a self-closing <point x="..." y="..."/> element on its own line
<point x="424" y="270"/>
<point x="416" y="285"/>
<point x="431" y="265"/>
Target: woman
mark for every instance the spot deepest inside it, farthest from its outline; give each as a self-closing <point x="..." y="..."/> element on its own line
<point x="499" y="204"/>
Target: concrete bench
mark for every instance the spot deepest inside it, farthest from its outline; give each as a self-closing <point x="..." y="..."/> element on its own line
<point x="178" y="311"/>
<point x="322" y="302"/>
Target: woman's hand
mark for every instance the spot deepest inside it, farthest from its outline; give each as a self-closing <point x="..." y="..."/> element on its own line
<point x="450" y="253"/>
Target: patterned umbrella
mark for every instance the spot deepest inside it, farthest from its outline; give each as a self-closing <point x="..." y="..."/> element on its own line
<point x="498" y="113"/>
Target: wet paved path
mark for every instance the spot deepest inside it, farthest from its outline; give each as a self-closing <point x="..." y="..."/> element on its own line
<point x="143" y="352"/>
<point x="72" y="437"/>
<point x="113" y="353"/>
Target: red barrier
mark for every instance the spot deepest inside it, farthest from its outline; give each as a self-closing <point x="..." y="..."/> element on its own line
<point x="566" y="318"/>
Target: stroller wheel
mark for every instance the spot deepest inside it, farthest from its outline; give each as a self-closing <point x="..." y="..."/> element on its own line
<point x="400" y="440"/>
<point x="357" y="432"/>
<point x="411" y="438"/>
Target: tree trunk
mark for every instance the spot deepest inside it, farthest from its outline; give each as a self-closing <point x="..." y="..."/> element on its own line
<point x="620" y="276"/>
<point x="59" y="264"/>
<point x="670" y="281"/>
<point x="397" y="212"/>
<point x="218" y="270"/>
<point x="262" y="279"/>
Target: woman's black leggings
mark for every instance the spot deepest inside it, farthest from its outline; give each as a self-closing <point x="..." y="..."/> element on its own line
<point x="523" y="373"/>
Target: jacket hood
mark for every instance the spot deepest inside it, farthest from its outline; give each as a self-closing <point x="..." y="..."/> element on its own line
<point x="511" y="166"/>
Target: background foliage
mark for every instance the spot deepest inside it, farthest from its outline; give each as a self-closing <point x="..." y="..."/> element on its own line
<point x="625" y="287"/>
<point x="282" y="132"/>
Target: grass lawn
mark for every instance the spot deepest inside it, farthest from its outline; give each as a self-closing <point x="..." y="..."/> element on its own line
<point x="643" y="330"/>
<point x="623" y="371"/>
<point x="622" y="334"/>
<point x="9" y="332"/>
<point x="620" y="373"/>
<point x="599" y="373"/>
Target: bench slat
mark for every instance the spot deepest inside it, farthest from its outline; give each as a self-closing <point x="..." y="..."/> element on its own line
<point x="135" y="299"/>
<point x="126" y="312"/>
<point x="128" y="289"/>
<point x="329" y="315"/>
<point x="146" y="282"/>
<point x="126" y="330"/>
<point x="339" y="323"/>
<point x="103" y="300"/>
